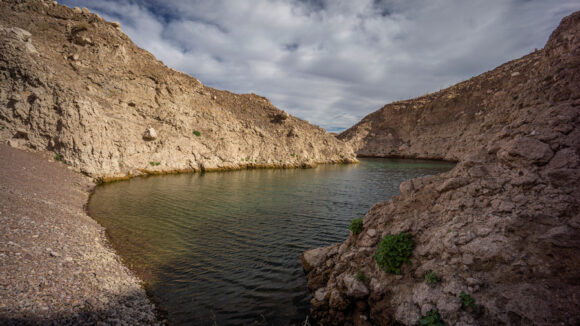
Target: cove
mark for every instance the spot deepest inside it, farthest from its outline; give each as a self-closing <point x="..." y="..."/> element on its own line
<point x="224" y="248"/>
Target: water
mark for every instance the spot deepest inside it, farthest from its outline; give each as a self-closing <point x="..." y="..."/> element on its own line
<point x="225" y="248"/>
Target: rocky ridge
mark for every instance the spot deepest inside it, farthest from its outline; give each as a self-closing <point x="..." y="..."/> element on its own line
<point x="501" y="230"/>
<point x="74" y="84"/>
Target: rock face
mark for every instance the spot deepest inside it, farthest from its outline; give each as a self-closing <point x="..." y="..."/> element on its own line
<point x="80" y="88"/>
<point x="502" y="228"/>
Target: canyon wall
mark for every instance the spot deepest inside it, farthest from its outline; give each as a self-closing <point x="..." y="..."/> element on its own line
<point x="74" y="84"/>
<point x="496" y="240"/>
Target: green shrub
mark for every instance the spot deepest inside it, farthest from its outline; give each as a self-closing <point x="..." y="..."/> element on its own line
<point x="431" y="277"/>
<point x="361" y="276"/>
<point x="58" y="157"/>
<point x="356" y="226"/>
<point x="292" y="154"/>
<point x="466" y="300"/>
<point x="155" y="163"/>
<point x="431" y="319"/>
<point x="393" y="251"/>
<point x="197" y="133"/>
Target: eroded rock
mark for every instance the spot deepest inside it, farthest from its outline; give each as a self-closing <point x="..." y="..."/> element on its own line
<point x="82" y="88"/>
<point x="502" y="222"/>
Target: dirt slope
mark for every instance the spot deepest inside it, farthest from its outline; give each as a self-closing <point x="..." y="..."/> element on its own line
<point x="74" y="84"/>
<point x="502" y="227"/>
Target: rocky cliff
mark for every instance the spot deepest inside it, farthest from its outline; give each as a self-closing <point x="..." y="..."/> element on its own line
<point x="74" y="84"/>
<point x="496" y="240"/>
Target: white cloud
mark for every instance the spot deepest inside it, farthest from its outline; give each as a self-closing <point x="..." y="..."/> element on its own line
<point x="332" y="62"/>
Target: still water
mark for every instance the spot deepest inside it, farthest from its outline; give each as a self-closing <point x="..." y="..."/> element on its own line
<point x="224" y="248"/>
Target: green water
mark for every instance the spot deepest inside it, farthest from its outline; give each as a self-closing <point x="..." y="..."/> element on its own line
<point x="225" y="247"/>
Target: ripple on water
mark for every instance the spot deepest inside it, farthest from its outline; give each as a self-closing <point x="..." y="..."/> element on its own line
<point x="225" y="247"/>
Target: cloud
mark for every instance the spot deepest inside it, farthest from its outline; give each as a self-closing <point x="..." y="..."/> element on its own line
<point x="333" y="62"/>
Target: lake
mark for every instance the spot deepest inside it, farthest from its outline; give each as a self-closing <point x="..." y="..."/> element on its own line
<point x="224" y="248"/>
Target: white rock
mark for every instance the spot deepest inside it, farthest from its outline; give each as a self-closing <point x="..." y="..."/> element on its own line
<point x="150" y="134"/>
<point x="314" y="258"/>
<point x="320" y="294"/>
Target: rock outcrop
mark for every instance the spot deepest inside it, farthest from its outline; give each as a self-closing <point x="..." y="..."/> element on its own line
<point x="73" y="84"/>
<point x="500" y="231"/>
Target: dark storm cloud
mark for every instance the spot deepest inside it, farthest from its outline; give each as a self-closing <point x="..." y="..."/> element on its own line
<point x="332" y="62"/>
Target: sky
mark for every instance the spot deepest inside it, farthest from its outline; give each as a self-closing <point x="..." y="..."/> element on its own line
<point x="331" y="62"/>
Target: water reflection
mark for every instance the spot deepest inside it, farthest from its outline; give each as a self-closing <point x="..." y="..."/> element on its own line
<point x="225" y="247"/>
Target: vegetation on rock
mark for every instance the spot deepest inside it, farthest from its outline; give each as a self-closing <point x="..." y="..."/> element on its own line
<point x="432" y="318"/>
<point x="431" y="277"/>
<point x="393" y="251"/>
<point x="361" y="276"/>
<point x="356" y="226"/>
<point x="466" y="300"/>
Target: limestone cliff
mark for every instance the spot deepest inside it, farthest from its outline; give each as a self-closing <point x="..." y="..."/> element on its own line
<point x="501" y="230"/>
<point x="74" y="84"/>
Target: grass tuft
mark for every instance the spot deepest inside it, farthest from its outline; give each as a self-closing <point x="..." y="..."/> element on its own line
<point x="431" y="319"/>
<point x="431" y="277"/>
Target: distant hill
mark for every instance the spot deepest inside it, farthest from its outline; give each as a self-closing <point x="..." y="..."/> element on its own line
<point x="76" y="85"/>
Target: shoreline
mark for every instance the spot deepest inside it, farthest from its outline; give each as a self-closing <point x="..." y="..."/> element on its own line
<point x="88" y="306"/>
<point x="237" y="167"/>
<point x="57" y="264"/>
<point x="21" y="164"/>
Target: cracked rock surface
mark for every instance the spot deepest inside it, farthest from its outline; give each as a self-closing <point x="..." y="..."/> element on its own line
<point x="502" y="227"/>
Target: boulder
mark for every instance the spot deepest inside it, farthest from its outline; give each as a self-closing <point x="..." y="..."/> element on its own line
<point x="314" y="257"/>
<point x="354" y="287"/>
<point x="150" y="134"/>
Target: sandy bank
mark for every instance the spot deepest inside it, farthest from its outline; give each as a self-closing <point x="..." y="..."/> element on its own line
<point x="56" y="266"/>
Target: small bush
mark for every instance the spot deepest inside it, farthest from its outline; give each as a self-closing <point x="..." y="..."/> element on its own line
<point x="431" y="319"/>
<point x="356" y="226"/>
<point x="393" y="251"/>
<point x="466" y="300"/>
<point x="292" y="154"/>
<point x="361" y="276"/>
<point x="197" y="133"/>
<point x="155" y="163"/>
<point x="58" y="157"/>
<point x="431" y="277"/>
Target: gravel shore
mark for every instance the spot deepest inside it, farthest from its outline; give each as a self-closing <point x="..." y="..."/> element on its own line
<point x="56" y="266"/>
